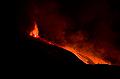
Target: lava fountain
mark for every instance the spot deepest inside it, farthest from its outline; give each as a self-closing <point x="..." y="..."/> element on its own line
<point x="35" y="31"/>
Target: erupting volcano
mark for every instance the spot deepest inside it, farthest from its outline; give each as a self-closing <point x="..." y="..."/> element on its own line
<point x="86" y="56"/>
<point x="84" y="29"/>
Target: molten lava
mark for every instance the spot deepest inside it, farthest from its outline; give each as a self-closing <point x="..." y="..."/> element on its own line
<point x="87" y="56"/>
<point x="35" y="32"/>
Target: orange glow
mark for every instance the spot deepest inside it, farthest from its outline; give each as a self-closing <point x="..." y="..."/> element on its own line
<point x="87" y="57"/>
<point x="35" y="31"/>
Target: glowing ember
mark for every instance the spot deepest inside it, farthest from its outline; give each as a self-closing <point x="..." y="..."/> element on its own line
<point x="35" y="31"/>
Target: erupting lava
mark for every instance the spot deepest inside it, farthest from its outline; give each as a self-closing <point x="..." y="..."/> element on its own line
<point x="35" y="32"/>
<point x="87" y="56"/>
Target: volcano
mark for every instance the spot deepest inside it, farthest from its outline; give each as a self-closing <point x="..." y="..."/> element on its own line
<point x="83" y="29"/>
<point x="58" y="37"/>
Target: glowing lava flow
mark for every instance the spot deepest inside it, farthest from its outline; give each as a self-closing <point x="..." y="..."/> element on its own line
<point x="87" y="57"/>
